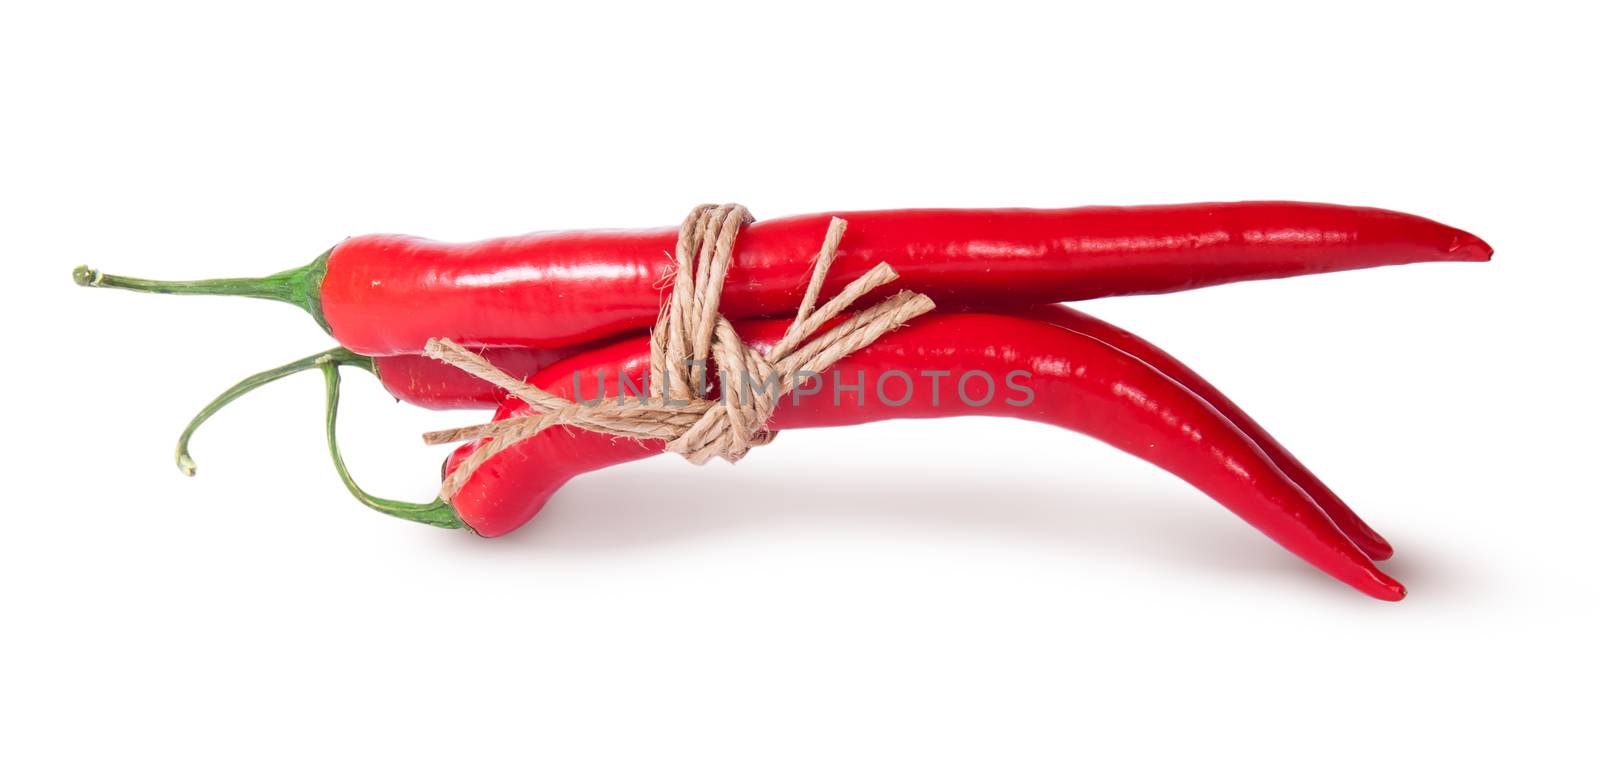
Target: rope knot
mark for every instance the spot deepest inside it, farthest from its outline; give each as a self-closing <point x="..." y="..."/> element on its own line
<point x="688" y="335"/>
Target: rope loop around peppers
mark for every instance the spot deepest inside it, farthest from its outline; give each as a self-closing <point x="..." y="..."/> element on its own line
<point x="689" y="332"/>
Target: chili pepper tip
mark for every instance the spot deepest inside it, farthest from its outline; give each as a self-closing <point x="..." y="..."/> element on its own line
<point x="1471" y="248"/>
<point x="1387" y="588"/>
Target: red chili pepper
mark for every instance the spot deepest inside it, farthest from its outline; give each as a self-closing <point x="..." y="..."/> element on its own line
<point x="469" y="391"/>
<point x="428" y="383"/>
<point x="1337" y="510"/>
<point x="1077" y="382"/>
<point x="389" y="294"/>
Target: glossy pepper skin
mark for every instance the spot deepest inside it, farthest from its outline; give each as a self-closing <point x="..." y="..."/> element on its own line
<point x="382" y="295"/>
<point x="429" y="383"/>
<point x="1077" y="382"/>
<point x="1337" y="510"/>
<point x="432" y="384"/>
<point x="387" y="294"/>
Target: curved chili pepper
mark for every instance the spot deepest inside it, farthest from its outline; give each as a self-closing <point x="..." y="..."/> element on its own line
<point x="1078" y="383"/>
<point x="389" y="294"/>
<point x="461" y="390"/>
<point x="432" y="384"/>
<point x="1337" y="510"/>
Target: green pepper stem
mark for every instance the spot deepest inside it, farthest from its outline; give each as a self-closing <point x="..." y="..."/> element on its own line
<point x="438" y="513"/>
<point x="301" y="287"/>
<point x="335" y="356"/>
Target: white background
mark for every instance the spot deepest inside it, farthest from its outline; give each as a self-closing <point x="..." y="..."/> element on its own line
<point x="958" y="591"/>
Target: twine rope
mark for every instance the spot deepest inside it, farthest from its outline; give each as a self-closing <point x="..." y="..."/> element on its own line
<point x="688" y="332"/>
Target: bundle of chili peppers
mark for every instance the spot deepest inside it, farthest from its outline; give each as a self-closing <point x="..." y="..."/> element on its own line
<point x="553" y="310"/>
